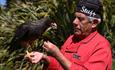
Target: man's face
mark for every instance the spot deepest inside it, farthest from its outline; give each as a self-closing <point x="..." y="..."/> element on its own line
<point x="82" y="26"/>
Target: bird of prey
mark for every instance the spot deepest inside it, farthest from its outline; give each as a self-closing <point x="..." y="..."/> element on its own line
<point x="28" y="32"/>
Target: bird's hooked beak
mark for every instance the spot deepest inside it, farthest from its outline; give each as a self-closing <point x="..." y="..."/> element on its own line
<point x="53" y="25"/>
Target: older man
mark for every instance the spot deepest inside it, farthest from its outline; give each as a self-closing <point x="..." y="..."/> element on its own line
<point x="86" y="49"/>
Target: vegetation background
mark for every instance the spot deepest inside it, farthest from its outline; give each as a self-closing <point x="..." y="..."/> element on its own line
<point x="16" y="12"/>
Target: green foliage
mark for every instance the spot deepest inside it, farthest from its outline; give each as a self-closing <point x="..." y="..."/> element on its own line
<point x="63" y="17"/>
<point x="113" y="68"/>
<point x="12" y="17"/>
<point x="109" y="22"/>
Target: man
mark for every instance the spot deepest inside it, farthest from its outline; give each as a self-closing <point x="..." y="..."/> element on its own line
<point x="86" y="49"/>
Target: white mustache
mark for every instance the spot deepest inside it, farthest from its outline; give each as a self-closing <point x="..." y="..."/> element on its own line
<point x="77" y="28"/>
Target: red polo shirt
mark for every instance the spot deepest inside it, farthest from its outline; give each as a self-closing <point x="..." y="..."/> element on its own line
<point x="92" y="53"/>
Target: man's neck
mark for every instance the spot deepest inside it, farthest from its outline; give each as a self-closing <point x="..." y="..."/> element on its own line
<point x="78" y="38"/>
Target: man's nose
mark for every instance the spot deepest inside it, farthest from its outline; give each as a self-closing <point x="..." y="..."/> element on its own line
<point x="75" y="21"/>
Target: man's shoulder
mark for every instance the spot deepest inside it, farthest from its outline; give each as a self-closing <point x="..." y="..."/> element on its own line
<point x="101" y="38"/>
<point x="102" y="41"/>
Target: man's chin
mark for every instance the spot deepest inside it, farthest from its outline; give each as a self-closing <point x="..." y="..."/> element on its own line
<point x="77" y="33"/>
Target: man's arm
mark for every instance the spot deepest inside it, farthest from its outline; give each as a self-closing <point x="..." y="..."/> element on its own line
<point x="65" y="63"/>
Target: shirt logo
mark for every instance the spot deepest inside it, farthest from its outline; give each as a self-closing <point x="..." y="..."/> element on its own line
<point x="90" y="12"/>
<point x="76" y="56"/>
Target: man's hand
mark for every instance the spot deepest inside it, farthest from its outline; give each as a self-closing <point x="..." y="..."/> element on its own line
<point x="34" y="57"/>
<point x="50" y="47"/>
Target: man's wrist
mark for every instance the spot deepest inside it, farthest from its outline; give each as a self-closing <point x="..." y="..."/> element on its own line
<point x="45" y="57"/>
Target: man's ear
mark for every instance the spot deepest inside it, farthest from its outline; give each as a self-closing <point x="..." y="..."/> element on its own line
<point x="95" y="22"/>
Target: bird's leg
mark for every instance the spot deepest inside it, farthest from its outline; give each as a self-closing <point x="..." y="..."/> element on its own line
<point x="28" y="50"/>
<point x="29" y="47"/>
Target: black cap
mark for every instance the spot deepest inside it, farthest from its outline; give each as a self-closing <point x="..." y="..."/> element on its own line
<point x="91" y="8"/>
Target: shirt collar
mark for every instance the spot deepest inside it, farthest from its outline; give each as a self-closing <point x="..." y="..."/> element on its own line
<point x="90" y="37"/>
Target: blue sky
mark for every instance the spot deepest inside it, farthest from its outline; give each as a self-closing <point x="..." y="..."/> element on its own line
<point x="2" y="2"/>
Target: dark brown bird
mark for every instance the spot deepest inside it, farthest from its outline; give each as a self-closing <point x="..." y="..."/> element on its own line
<point x="28" y="32"/>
